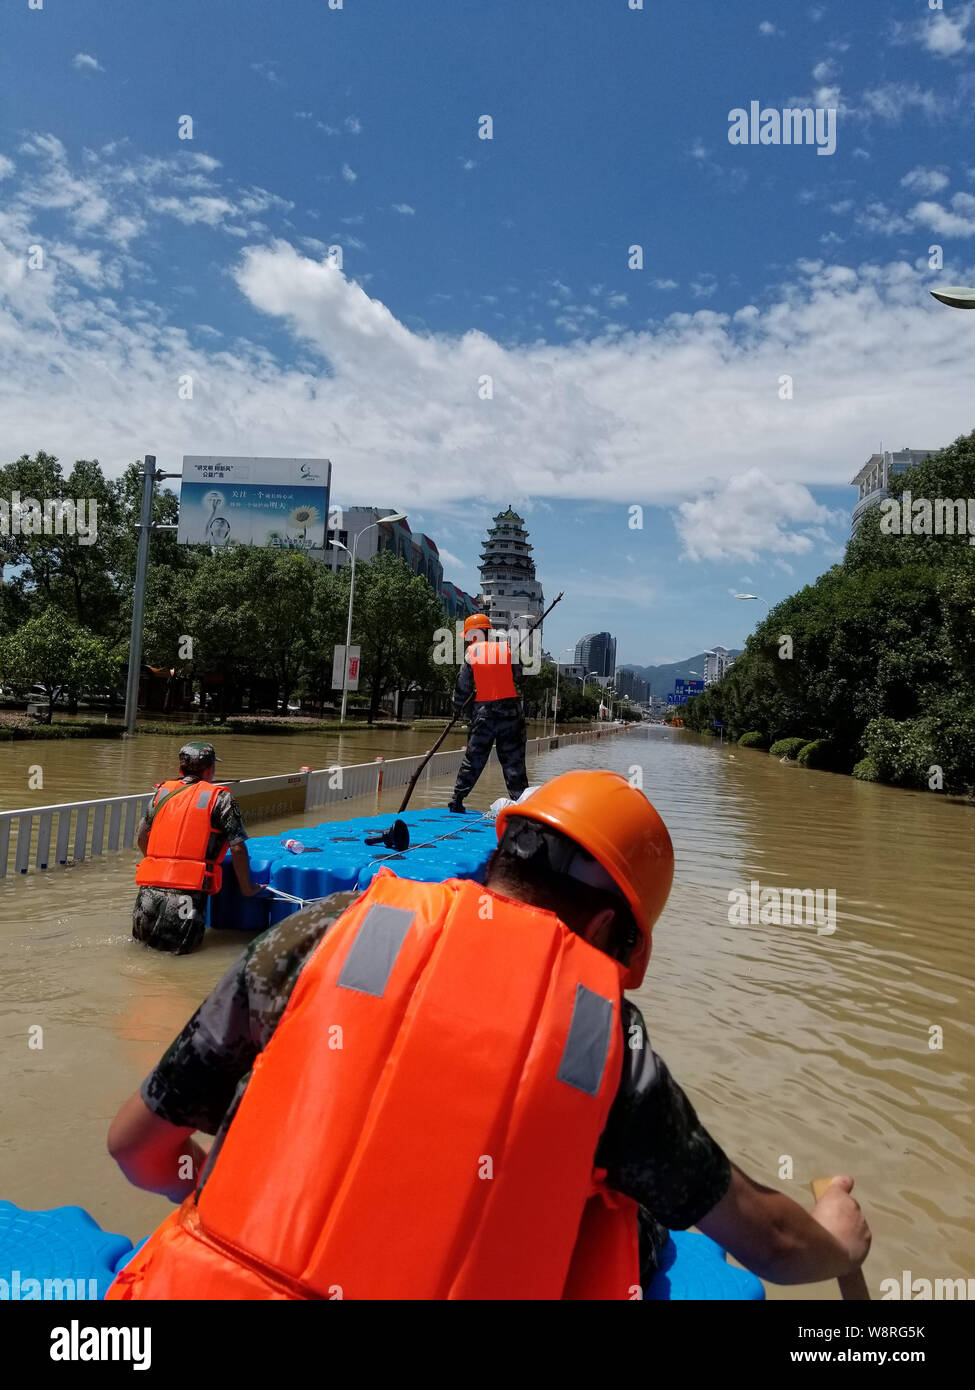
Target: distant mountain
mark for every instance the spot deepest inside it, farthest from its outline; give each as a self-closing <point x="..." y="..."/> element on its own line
<point x="661" y="678"/>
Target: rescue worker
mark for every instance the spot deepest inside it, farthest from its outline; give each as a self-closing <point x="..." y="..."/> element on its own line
<point x="459" y="1102"/>
<point x="184" y="836"/>
<point x="488" y="674"/>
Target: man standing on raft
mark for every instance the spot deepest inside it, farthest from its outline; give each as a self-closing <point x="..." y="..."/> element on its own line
<point x="488" y="674"/>
<point x="460" y="1104"/>
<point x="184" y="836"/>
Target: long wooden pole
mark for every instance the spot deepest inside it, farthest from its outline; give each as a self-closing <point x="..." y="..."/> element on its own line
<point x="416" y="776"/>
<point x="853" y="1286"/>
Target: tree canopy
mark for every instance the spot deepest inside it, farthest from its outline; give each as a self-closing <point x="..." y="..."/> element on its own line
<point x="880" y="660"/>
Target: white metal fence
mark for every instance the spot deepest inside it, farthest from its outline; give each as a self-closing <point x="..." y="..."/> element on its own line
<point x="44" y="837"/>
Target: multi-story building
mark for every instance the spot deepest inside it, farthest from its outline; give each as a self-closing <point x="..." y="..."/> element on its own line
<point x="512" y="595"/>
<point x="458" y="603"/>
<point x="873" y="479"/>
<point x="596" y="652"/>
<point x="716" y="662"/>
<point x="629" y="683"/>
<point x="418" y="550"/>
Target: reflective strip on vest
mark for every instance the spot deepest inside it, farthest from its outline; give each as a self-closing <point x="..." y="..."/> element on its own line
<point x="587" y="1046"/>
<point x="203" y="799"/>
<point x="373" y="953"/>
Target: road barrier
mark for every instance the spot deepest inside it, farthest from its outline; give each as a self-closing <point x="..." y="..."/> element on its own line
<point x="44" y="837"/>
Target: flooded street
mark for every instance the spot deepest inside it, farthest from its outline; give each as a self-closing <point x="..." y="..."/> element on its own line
<point x="78" y="769"/>
<point x="794" y="1045"/>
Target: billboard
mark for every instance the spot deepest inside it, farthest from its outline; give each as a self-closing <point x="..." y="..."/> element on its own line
<point x="254" y="501"/>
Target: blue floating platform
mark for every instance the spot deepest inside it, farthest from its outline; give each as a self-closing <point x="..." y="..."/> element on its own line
<point x="337" y="859"/>
<point x="41" y="1250"/>
<point x="693" y="1266"/>
<point x="57" y="1254"/>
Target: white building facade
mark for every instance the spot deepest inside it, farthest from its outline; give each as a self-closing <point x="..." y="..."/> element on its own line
<point x="716" y="662"/>
<point x="512" y="595"/>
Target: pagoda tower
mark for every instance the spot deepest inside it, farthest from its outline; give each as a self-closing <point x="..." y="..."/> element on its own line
<point x="512" y="594"/>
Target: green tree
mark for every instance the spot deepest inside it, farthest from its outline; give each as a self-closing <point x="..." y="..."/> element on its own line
<point x="882" y="656"/>
<point x="58" y="655"/>
<point x="395" y="616"/>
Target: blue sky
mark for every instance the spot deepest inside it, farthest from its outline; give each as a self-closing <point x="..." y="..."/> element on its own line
<point x="507" y="258"/>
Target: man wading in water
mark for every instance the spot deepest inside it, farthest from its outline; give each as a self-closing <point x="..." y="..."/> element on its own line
<point x="184" y="836"/>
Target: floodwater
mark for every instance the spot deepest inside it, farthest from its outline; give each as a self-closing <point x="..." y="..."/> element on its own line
<point x="798" y="1047"/>
<point x="80" y="769"/>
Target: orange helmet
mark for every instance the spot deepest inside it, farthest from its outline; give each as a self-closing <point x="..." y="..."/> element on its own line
<point x="619" y="827"/>
<point x="476" y="620"/>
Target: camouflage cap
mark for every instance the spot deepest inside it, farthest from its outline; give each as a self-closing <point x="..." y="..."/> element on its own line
<point x="197" y="756"/>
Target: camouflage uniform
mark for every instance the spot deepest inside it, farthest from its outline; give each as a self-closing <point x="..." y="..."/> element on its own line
<point x="654" y="1148"/>
<point x="497" y="722"/>
<point x="174" y="919"/>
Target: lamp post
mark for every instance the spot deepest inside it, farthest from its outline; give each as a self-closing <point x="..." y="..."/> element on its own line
<point x="955" y="296"/>
<point x="393" y="516"/>
<point x="555" y="722"/>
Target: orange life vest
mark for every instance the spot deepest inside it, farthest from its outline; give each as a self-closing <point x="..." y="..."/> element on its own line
<point x="491" y="664"/>
<point x="179" y="837"/>
<point x="422" y="1123"/>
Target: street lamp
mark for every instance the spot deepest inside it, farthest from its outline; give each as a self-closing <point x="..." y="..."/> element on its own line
<point x="393" y="516"/>
<point x="955" y="296"/>
<point x="555" y="722"/>
<point x="757" y="596"/>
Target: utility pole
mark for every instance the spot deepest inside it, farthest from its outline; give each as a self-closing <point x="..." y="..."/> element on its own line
<point x="139" y="596"/>
<point x="149" y="478"/>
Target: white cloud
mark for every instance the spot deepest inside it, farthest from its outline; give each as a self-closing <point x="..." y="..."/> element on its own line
<point x="959" y="221"/>
<point x="348" y="174"/>
<point x="824" y="71"/>
<point x="85" y="62"/>
<point x="268" y="71"/>
<point x="878" y="218"/>
<point x="686" y="412"/>
<point x="210" y="211"/>
<point x="767" y="29"/>
<point x="405" y="209"/>
<point x="922" y="180"/>
<point x="890" y="100"/>
<point x="664" y="284"/>
<point x="944" y="35"/>
<point x="7" y="166"/>
<point x="353" y="125"/>
<point x="749" y="515"/>
<point x="451" y="562"/>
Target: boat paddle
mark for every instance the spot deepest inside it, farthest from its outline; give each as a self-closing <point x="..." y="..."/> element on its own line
<point x="853" y="1286"/>
<point x="416" y="776"/>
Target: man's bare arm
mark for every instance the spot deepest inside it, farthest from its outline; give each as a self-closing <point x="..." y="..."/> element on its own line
<point x="152" y="1153"/>
<point x="780" y="1241"/>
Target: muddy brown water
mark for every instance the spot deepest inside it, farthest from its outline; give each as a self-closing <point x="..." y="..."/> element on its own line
<point x="798" y="1048"/>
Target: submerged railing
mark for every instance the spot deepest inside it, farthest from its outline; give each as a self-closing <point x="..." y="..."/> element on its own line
<point x="45" y="837"/>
